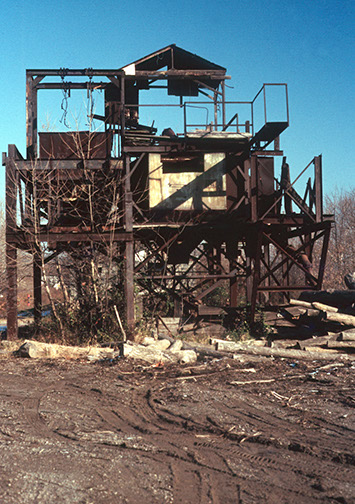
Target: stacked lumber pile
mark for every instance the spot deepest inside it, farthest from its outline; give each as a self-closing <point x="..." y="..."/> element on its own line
<point x="319" y="326"/>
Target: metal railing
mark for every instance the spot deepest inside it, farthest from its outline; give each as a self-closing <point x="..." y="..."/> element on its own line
<point x="214" y="106"/>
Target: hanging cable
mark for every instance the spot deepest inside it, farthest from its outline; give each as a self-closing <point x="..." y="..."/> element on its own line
<point x="66" y="94"/>
<point x="90" y="99"/>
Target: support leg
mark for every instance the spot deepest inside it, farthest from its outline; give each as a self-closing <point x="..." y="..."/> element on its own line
<point x="11" y="271"/>
<point x="256" y="273"/>
<point x="37" y="289"/>
<point x="129" y="285"/>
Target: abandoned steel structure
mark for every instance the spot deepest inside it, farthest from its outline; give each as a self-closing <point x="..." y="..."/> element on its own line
<point x="201" y="206"/>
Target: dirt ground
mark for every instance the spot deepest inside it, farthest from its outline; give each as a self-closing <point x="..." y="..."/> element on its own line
<point x="259" y="431"/>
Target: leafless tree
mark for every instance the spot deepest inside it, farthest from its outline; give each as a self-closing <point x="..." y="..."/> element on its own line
<point x="341" y="255"/>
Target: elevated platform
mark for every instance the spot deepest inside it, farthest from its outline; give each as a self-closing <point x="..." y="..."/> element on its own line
<point x="269" y="132"/>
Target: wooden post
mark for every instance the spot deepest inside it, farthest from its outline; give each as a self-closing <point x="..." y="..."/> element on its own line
<point x="129" y="249"/>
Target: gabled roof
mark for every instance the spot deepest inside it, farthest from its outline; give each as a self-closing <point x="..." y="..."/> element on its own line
<point x="176" y="58"/>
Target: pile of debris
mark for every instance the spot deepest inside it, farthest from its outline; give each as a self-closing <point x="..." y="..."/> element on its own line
<point x="321" y="331"/>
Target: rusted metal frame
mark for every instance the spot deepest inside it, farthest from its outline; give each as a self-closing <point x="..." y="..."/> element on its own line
<point x="256" y="272"/>
<point x="223" y="88"/>
<point x="139" y="211"/>
<point x="115" y="80"/>
<point x="226" y="126"/>
<point x="236" y="203"/>
<point x="266" y="261"/>
<point x="215" y="106"/>
<point x="318" y="188"/>
<point x="24" y="165"/>
<point x="122" y="116"/>
<point x="285" y="276"/>
<point x="73" y="72"/>
<point x="211" y="288"/>
<point x="253" y="195"/>
<point x="170" y="291"/>
<point x="289" y="256"/>
<point x="20" y="195"/>
<point x="323" y="257"/>
<point x="215" y="261"/>
<point x="237" y="166"/>
<point x="303" y="229"/>
<point x="197" y="260"/>
<point x="179" y="278"/>
<point x="37" y="286"/>
<point x="279" y="251"/>
<point x="11" y="295"/>
<point x="137" y="163"/>
<point x="31" y="119"/>
<point x="282" y="192"/>
<point x="204" y="94"/>
<point x="276" y="267"/>
<point x="207" y="87"/>
<point x="268" y="272"/>
<point x="264" y="97"/>
<point x="52" y="256"/>
<point x="11" y="249"/>
<point x="232" y="249"/>
<point x="270" y="153"/>
<point x="288" y="288"/>
<point x="262" y="90"/>
<point x="157" y="251"/>
<point x="176" y="280"/>
<point x="179" y="74"/>
<point x="133" y="149"/>
<point x="312" y="196"/>
<point x="304" y="209"/>
<point x="71" y="85"/>
<point x="308" y="186"/>
<point x="287" y="268"/>
<point x="231" y="188"/>
<point x="198" y="286"/>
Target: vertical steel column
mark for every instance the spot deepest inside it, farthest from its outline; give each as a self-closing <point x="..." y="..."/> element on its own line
<point x="31" y="117"/>
<point x="256" y="272"/>
<point x="223" y="86"/>
<point x="308" y="252"/>
<point x="37" y="287"/>
<point x="11" y="274"/>
<point x="267" y="281"/>
<point x="11" y="250"/>
<point x="253" y="189"/>
<point x="232" y="251"/>
<point x="323" y="256"/>
<point x="318" y="188"/>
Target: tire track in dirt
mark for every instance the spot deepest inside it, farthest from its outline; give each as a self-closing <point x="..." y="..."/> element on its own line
<point x="278" y="457"/>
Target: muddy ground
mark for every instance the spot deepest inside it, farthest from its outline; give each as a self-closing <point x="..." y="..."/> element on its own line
<point x="259" y="431"/>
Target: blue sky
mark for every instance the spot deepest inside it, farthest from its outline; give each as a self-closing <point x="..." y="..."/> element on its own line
<point x="309" y="45"/>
